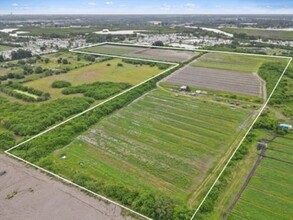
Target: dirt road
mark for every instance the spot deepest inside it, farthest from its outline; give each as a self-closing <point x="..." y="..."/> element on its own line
<point x="26" y="193"/>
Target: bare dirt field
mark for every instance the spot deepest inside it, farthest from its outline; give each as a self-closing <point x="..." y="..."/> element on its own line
<point x="26" y="193"/>
<point x="222" y="80"/>
<point x="166" y="55"/>
<point x="141" y="52"/>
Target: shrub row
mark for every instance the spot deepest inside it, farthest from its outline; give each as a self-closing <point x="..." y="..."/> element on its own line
<point x="11" y="88"/>
<point x="27" y="120"/>
<point x="97" y="90"/>
<point x="60" y="84"/>
<point x="161" y="66"/>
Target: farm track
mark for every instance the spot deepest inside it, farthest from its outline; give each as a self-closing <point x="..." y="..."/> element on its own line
<point x="246" y="182"/>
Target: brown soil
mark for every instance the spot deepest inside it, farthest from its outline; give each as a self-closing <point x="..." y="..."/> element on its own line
<point x="26" y="193"/>
<point x="247" y="84"/>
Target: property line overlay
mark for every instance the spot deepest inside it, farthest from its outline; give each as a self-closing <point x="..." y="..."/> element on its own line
<point x="244" y="137"/>
<point x="174" y="65"/>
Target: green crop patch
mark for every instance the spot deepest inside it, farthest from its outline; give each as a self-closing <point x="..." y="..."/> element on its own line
<point x="239" y="63"/>
<point x="271" y="187"/>
<point x="163" y="144"/>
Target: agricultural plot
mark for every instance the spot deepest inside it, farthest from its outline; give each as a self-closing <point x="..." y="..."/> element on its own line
<point x="107" y="71"/>
<point x="142" y="52"/>
<point x="238" y="63"/>
<point x="222" y="80"/>
<point x="158" y="144"/>
<point x="269" y="192"/>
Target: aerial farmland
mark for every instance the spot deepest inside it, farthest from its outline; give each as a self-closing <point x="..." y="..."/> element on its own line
<point x="149" y="110"/>
<point x="171" y="55"/>
<point x="153" y="141"/>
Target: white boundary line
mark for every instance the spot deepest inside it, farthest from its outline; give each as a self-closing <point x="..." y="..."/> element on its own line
<point x="244" y="137"/>
<point x="175" y="65"/>
<point x="78" y="186"/>
<point x="170" y="48"/>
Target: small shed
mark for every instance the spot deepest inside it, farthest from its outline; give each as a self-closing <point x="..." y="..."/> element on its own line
<point x="286" y="126"/>
<point x="184" y="88"/>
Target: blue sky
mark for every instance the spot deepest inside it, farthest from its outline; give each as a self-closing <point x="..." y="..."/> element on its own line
<point x="146" y="7"/>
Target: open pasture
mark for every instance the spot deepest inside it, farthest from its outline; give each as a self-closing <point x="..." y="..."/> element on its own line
<point x="107" y="71"/>
<point x="233" y="62"/>
<point x="142" y="52"/>
<point x="222" y="80"/>
<point x="158" y="144"/>
<point x="271" y="186"/>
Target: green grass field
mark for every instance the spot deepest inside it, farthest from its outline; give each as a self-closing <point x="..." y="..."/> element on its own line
<point x="269" y="193"/>
<point x="267" y="34"/>
<point x="160" y="143"/>
<point x="53" y="64"/>
<point x="4" y="48"/>
<point x="97" y="72"/>
<point x="239" y="63"/>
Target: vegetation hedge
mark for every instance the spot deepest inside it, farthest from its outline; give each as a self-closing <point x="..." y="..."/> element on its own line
<point x="60" y="84"/>
<point x="27" y="120"/>
<point x="6" y="140"/>
<point x="97" y="90"/>
<point x="11" y="88"/>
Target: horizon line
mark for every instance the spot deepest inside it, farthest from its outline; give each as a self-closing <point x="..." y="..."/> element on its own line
<point x="84" y="14"/>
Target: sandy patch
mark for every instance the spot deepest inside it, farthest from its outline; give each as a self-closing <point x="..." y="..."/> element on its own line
<point x="26" y="193"/>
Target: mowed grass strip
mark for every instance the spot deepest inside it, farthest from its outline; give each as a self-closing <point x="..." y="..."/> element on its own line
<point x="148" y="147"/>
<point x="269" y="193"/>
<point x="239" y="63"/>
<point x="98" y="72"/>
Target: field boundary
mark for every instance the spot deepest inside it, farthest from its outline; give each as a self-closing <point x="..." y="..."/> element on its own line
<point x="242" y="140"/>
<point x="174" y="65"/>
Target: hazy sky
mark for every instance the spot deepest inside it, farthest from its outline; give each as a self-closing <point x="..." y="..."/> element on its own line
<point x="146" y="7"/>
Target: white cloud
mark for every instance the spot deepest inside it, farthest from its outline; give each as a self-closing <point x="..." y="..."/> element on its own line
<point x="91" y="3"/>
<point x="14" y="4"/>
<point x="191" y="5"/>
<point x="109" y="3"/>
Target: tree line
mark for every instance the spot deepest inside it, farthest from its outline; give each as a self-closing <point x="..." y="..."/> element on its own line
<point x="27" y="120"/>
<point x="97" y="90"/>
<point x="15" y="89"/>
